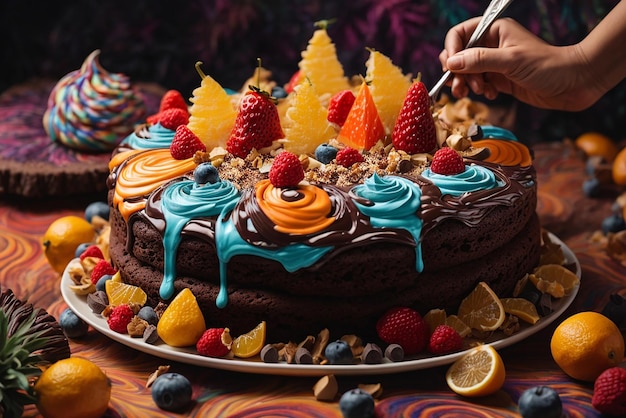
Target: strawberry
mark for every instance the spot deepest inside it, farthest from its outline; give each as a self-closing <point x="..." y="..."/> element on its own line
<point x="295" y="79"/>
<point x="92" y="251"/>
<point x="100" y="269"/>
<point x="414" y="131"/>
<point x="445" y="339"/>
<point x="214" y="342"/>
<point x="348" y="156"/>
<point x="185" y="143"/>
<point x="609" y="392"/>
<point x="403" y="326"/>
<point x="339" y="107"/>
<point x="257" y="124"/>
<point x="447" y="161"/>
<point x="119" y="318"/>
<point x="172" y="99"/>
<point x="173" y="118"/>
<point x="286" y="170"/>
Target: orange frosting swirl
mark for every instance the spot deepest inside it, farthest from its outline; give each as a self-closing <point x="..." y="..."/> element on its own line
<point x="300" y="211"/>
<point x="143" y="173"/>
<point x="505" y="152"/>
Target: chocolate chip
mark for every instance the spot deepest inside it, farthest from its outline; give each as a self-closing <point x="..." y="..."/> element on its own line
<point x="372" y="354"/>
<point x="303" y="356"/>
<point x="269" y="354"/>
<point x="394" y="352"/>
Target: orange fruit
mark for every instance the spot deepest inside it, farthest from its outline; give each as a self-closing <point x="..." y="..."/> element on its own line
<point x="388" y="86"/>
<point x="434" y="318"/>
<point x="306" y="126"/>
<point x="250" y="343"/>
<point x="619" y="168"/>
<point x="363" y="127"/>
<point x="62" y="237"/>
<point x="460" y="326"/>
<point x="482" y="309"/>
<point x="586" y="344"/>
<point x="73" y="388"/>
<point x="554" y="279"/>
<point x="522" y="308"/>
<point x="597" y="144"/>
<point x="120" y="293"/>
<point x="182" y="324"/>
<point x="480" y="372"/>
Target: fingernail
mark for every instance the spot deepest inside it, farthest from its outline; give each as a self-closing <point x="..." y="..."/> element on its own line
<point x="455" y="62"/>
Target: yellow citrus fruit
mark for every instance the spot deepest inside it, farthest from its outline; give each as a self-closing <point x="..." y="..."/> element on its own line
<point x="480" y="372"/>
<point x="250" y="343"/>
<point x="482" y="309"/>
<point x="460" y="326"/>
<point x="120" y="293"/>
<point x="522" y="308"/>
<point x="434" y="318"/>
<point x="586" y="344"/>
<point x="554" y="279"/>
<point x="182" y="324"/>
<point x="597" y="144"/>
<point x="619" y="168"/>
<point x="73" y="388"/>
<point x="62" y="237"/>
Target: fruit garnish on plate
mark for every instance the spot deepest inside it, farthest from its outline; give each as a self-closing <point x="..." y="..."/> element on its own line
<point x="482" y="309"/>
<point x="362" y="128"/>
<point x="522" y="308"/>
<point x="250" y="344"/>
<point x="554" y="279"/>
<point x="182" y="323"/>
<point x="480" y="372"/>
<point x="415" y="131"/>
<point x="62" y="237"/>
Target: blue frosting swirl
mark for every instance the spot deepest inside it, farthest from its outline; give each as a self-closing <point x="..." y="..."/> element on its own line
<point x="160" y="137"/>
<point x="497" y="132"/>
<point x="181" y="202"/>
<point x="393" y="203"/>
<point x="473" y="179"/>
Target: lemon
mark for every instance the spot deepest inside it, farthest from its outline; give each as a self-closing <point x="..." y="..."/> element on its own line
<point x="482" y="309"/>
<point x="62" y="237"/>
<point x="522" y="308"/>
<point x="554" y="279"/>
<point x="120" y="293"/>
<point x="73" y="387"/>
<point x="586" y="344"/>
<point x="480" y="372"/>
<point x="250" y="343"/>
<point x="182" y="324"/>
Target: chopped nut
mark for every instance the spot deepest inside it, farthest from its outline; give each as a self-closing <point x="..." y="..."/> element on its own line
<point x="136" y="327"/>
<point x="511" y="325"/>
<point x="374" y="389"/>
<point x="288" y="352"/>
<point x="326" y="388"/>
<point x="158" y="372"/>
<point x="320" y="345"/>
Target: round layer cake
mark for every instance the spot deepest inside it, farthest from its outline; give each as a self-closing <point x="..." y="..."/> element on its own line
<point x="392" y="239"/>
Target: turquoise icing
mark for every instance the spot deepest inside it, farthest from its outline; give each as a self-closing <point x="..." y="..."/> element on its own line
<point x="160" y="137"/>
<point x="473" y="179"/>
<point x="181" y="202"/>
<point x="396" y="201"/>
<point x="228" y="244"/>
<point x="497" y="132"/>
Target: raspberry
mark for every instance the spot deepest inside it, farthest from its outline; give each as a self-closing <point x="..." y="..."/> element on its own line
<point x="103" y="267"/>
<point x="214" y="342"/>
<point x="447" y="161"/>
<point x="119" y="318"/>
<point x="173" y="118"/>
<point x="609" y="392"/>
<point x="339" y="107"/>
<point x="286" y="170"/>
<point x="348" y="156"/>
<point x="92" y="251"/>
<point x="445" y="339"/>
<point x="185" y="143"/>
<point x="172" y="99"/>
<point x="403" y="326"/>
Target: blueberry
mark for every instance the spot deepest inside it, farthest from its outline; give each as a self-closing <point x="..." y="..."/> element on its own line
<point x="149" y="315"/>
<point x="72" y="325"/>
<point x="171" y="391"/>
<point x="325" y="153"/>
<point x="356" y="403"/>
<point x="540" y="402"/>
<point x="279" y="92"/>
<point x="206" y="173"/>
<point x="338" y="352"/>
<point x="613" y="223"/>
<point x="100" y="209"/>
<point x="81" y="248"/>
<point x="101" y="283"/>
<point x="592" y="187"/>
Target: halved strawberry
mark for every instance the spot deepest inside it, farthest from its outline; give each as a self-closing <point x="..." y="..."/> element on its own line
<point x="339" y="107"/>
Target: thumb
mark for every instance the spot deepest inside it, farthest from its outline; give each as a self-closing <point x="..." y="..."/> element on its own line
<point x="478" y="60"/>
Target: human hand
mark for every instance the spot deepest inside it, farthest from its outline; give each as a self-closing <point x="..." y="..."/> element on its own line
<point x="512" y="60"/>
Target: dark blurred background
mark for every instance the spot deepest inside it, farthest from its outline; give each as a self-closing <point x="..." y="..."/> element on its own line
<point x="160" y="41"/>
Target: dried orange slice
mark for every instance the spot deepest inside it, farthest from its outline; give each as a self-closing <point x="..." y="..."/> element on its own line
<point x="522" y="308"/>
<point x="460" y="326"/>
<point x="480" y="372"/>
<point x="434" y="318"/>
<point x="363" y="127"/>
<point x="122" y="293"/>
<point x="482" y="309"/>
<point x="554" y="279"/>
<point x="250" y="343"/>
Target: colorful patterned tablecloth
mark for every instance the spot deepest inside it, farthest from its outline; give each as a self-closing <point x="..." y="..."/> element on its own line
<point x="563" y="208"/>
